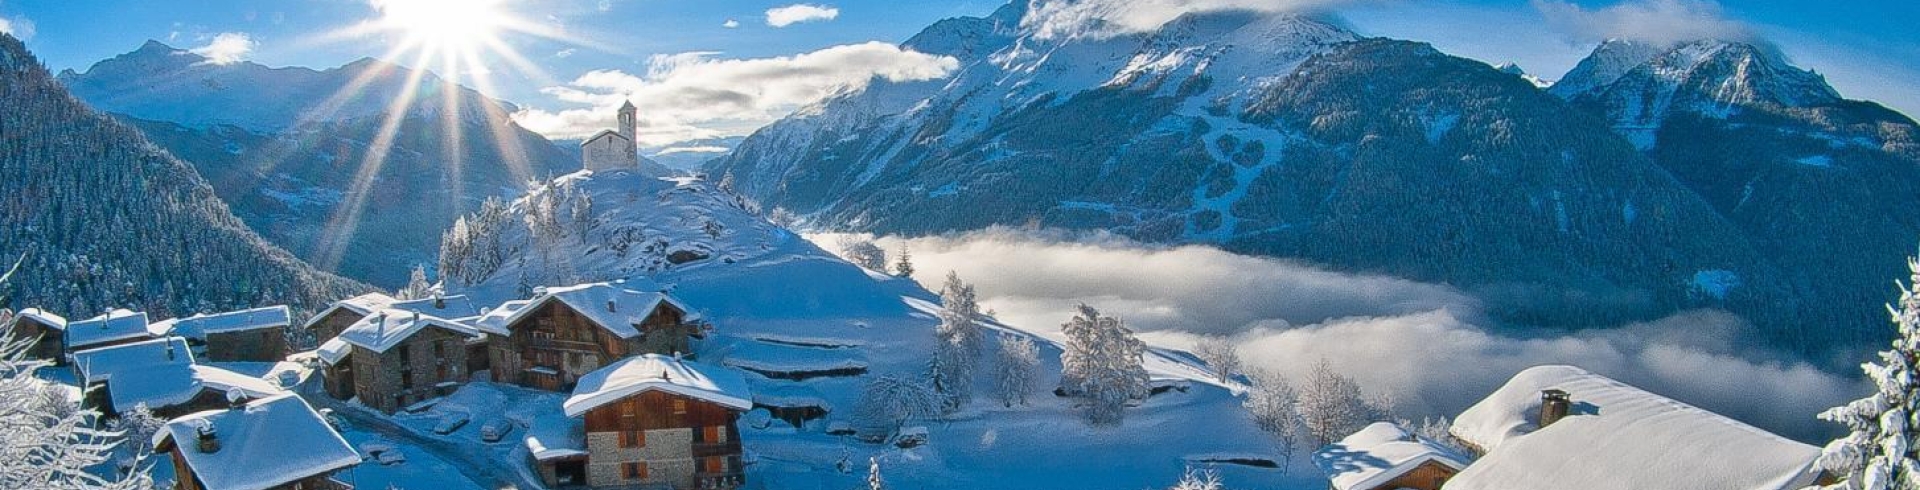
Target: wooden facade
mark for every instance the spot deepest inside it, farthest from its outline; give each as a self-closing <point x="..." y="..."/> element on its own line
<point x="47" y="339"/>
<point x="428" y="364"/>
<point x="552" y="347"/>
<point x="332" y="324"/>
<point x="658" y="438"/>
<point x="1428" y="476"/>
<point x="185" y="479"/>
<point x="257" y="345"/>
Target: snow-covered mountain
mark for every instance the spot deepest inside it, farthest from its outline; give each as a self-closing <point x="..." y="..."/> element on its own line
<point x="1825" y="186"/>
<point x="1514" y="69"/>
<point x="1280" y="135"/>
<point x="287" y="146"/>
<point x="106" y="219"/>
<point x="783" y="308"/>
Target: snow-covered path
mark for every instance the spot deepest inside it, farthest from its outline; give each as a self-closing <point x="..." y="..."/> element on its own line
<point x="477" y="467"/>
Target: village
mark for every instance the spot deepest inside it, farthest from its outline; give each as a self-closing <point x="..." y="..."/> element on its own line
<point x="609" y="391"/>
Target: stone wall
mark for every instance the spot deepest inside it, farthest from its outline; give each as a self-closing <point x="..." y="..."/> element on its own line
<point x="668" y="454"/>
<point x="258" y="345"/>
<point x="380" y="379"/>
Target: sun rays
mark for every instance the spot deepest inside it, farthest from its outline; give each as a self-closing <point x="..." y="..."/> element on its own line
<point x="461" y="40"/>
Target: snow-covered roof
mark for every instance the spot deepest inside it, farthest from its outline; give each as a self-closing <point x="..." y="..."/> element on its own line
<point x="554" y="437"/>
<point x="269" y="442"/>
<point x="1618" y="437"/>
<point x="387" y="328"/>
<point x="1378" y="454"/>
<point x="647" y="372"/>
<point x="198" y="326"/>
<point x="364" y="304"/>
<point x="44" y="317"/>
<point x="451" y="307"/>
<point x="173" y="384"/>
<point x="101" y="364"/>
<point x="494" y="321"/>
<point x="628" y="306"/>
<point x="112" y="326"/>
<point x="333" y="350"/>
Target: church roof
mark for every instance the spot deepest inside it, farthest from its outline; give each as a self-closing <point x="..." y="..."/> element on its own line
<point x="602" y="134"/>
<point x="627" y="106"/>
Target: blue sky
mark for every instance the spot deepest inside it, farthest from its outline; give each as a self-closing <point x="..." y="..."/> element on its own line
<point x="1866" y="48"/>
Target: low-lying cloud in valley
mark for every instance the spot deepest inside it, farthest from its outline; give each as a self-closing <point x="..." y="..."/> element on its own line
<point x="1427" y="346"/>
<point x="697" y="95"/>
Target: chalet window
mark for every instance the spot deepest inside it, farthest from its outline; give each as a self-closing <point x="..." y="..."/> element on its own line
<point x="441" y="373"/>
<point x="633" y="438"/>
<point x="679" y="407"/>
<point x="406" y="380"/>
<point x="406" y="356"/>
<point x="626" y="410"/>
<point x="714" y="464"/>
<point x="634" y="471"/>
<point x="715" y="433"/>
<point x="439" y="350"/>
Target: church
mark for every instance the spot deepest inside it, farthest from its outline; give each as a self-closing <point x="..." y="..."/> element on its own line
<point x="611" y="150"/>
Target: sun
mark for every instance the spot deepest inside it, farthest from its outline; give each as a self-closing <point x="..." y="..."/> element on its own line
<point x="456" y="25"/>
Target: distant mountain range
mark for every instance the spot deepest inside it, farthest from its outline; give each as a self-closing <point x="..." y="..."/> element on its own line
<point x="1648" y="180"/>
<point x="107" y="219"/>
<point x="286" y="148"/>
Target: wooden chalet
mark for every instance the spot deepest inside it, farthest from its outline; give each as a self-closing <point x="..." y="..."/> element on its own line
<point x="655" y="420"/>
<point x="47" y="332"/>
<point x="396" y="358"/>
<point x="275" y="443"/>
<point x="552" y="340"/>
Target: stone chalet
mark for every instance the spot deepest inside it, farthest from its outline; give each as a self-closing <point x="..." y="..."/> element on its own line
<point x="274" y="443"/>
<point x="162" y="375"/>
<point x="651" y="421"/>
<point x="47" y="332"/>
<point x="342" y="314"/>
<point x="396" y="358"/>
<point x="550" y="341"/>
<point x="255" y="335"/>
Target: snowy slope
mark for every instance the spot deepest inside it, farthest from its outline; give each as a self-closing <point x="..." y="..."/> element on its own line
<point x="781" y="306"/>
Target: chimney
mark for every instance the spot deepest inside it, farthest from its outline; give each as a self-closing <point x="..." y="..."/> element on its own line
<point x="236" y="399"/>
<point x="1553" y="406"/>
<point x="610" y="307"/>
<point x="439" y="302"/>
<point x="169" y="349"/>
<point x="209" y="442"/>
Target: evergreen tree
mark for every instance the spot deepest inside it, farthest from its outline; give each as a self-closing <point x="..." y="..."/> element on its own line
<point x="1102" y="366"/>
<point x="904" y="267"/>
<point x="417" y="285"/>
<point x="1879" y="451"/>
<point x="873" y="474"/>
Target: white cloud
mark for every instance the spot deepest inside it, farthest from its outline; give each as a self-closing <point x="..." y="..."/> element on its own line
<point x="18" y="26"/>
<point x="1102" y="18"/>
<point x="699" y="95"/>
<point x="227" y="48"/>
<point x="730" y="24"/>
<point x="800" y="12"/>
<point x="1654" y="21"/>
<point x="1425" y="344"/>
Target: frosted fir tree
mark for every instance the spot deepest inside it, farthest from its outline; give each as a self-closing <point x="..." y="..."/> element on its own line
<point x="950" y="373"/>
<point x="1017" y="370"/>
<point x="417" y="285"/>
<point x="959" y="315"/>
<point x="1219" y="355"/>
<point x="1878" y="453"/>
<point x="904" y="266"/>
<point x="1102" y="366"/>
<point x="1275" y="406"/>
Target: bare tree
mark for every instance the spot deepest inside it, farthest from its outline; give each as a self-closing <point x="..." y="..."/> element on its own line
<point x="1017" y="370"/>
<point x="1333" y="406"/>
<point x="862" y="252"/>
<point x="888" y="403"/>
<point x="1220" y="355"/>
<point x="1275" y="406"/>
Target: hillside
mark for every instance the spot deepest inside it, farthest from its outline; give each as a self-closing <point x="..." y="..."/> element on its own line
<point x="779" y="305"/>
<point x="107" y="219"/>
<point x="1824" y="186"/>
<point x="293" y="150"/>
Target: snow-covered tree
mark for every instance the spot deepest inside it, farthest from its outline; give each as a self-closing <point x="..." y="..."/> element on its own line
<point x="1102" y="366"/>
<point x="950" y="374"/>
<point x="959" y="315"/>
<point x="1220" y="355"/>
<point x="888" y="403"/>
<point x="138" y="425"/>
<point x="417" y="285"/>
<point x="1199" y="479"/>
<point x="1275" y="407"/>
<point x="1440" y="431"/>
<point x="862" y="252"/>
<point x="874" y="482"/>
<point x="1332" y="406"/>
<point x="904" y="266"/>
<point x="49" y="441"/>
<point x="1017" y="369"/>
<point x="1878" y="453"/>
